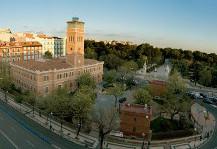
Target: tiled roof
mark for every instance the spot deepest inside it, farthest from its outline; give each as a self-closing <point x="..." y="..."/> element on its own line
<point x="21" y="44"/>
<point x="46" y="65"/>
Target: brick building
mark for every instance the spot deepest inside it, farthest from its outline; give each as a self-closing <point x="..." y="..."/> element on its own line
<point x="157" y="87"/>
<point x="135" y="119"/>
<point x="43" y="76"/>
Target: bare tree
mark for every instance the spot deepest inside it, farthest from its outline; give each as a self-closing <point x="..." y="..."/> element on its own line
<point x="106" y="120"/>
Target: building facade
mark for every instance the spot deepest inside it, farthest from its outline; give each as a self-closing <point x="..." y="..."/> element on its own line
<point x="55" y="45"/>
<point x="135" y="120"/>
<point x="20" y="51"/>
<point x="43" y="76"/>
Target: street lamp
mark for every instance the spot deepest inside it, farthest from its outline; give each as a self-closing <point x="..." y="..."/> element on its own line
<point x="6" y="92"/>
<point x="143" y="142"/>
<point x="195" y="130"/>
<point x="50" y="119"/>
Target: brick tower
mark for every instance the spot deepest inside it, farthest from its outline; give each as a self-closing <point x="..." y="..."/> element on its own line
<point x="75" y="42"/>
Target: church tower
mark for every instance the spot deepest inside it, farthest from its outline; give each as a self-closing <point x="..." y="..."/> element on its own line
<point x="75" y="42"/>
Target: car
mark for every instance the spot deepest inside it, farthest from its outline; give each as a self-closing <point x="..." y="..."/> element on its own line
<point x="197" y="95"/>
<point x="207" y="100"/>
<point x="204" y="95"/>
<point x="107" y="85"/>
<point x="214" y="100"/>
<point x="122" y="100"/>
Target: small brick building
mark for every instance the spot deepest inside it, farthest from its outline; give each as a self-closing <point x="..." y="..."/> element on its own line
<point x="135" y="119"/>
<point x="157" y="87"/>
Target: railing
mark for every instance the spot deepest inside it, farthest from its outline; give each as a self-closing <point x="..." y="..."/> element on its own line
<point x="66" y="129"/>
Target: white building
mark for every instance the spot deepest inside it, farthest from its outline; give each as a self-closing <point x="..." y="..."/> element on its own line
<point x="55" y="45"/>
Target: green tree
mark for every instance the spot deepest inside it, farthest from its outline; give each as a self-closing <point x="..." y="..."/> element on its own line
<point x="90" y="53"/>
<point x="117" y="90"/>
<point x="58" y="103"/>
<point x="205" y="76"/>
<point x="48" y="55"/>
<point x="86" y="79"/>
<point x="142" y="96"/>
<point x="175" y="101"/>
<point x="81" y="104"/>
<point x="110" y="76"/>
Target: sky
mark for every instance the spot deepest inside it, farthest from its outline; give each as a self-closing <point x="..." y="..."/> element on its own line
<point x="186" y="24"/>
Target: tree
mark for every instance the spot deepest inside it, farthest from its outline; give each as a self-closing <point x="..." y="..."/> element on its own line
<point x="81" y="104"/>
<point x="5" y="80"/>
<point x="175" y="100"/>
<point x="142" y="96"/>
<point x="106" y="120"/>
<point x="48" y="55"/>
<point x="90" y="53"/>
<point x="58" y="103"/>
<point x="141" y="61"/>
<point x="205" y="76"/>
<point x="117" y="90"/>
<point x="86" y="79"/>
<point x="110" y="76"/>
<point x="112" y="61"/>
<point x="176" y="84"/>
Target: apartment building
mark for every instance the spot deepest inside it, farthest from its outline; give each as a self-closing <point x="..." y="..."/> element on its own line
<point x="20" y="51"/>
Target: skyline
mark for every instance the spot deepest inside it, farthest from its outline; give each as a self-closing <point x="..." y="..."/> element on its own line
<point x="186" y="24"/>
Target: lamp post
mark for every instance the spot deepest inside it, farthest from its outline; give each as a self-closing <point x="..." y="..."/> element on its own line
<point x="50" y="120"/>
<point x="206" y="116"/>
<point x="6" y="100"/>
<point x="143" y="142"/>
<point x="195" y="131"/>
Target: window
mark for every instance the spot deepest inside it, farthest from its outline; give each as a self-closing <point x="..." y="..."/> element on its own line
<point x="134" y="129"/>
<point x="46" y="78"/>
<point x="46" y="89"/>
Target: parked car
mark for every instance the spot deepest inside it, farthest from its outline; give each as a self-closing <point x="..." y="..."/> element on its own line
<point x="214" y="100"/>
<point x="204" y="95"/>
<point x="122" y="100"/>
<point x="208" y="100"/>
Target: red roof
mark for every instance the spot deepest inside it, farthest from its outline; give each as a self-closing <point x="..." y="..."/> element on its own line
<point x="158" y="82"/>
<point x="136" y="108"/>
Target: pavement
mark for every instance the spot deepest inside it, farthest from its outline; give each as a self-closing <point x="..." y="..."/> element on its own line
<point x="212" y="141"/>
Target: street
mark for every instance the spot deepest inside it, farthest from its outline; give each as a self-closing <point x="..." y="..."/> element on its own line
<point x="19" y="132"/>
<point x="212" y="143"/>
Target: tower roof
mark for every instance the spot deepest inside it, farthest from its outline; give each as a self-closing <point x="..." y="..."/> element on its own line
<point x="75" y="20"/>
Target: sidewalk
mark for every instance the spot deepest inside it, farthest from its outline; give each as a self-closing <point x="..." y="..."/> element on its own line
<point x="204" y="118"/>
<point x="92" y="142"/>
<point x="67" y="133"/>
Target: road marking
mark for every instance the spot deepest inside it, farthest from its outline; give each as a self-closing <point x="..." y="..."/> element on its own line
<point x="56" y="147"/>
<point x="30" y="143"/>
<point x="8" y="139"/>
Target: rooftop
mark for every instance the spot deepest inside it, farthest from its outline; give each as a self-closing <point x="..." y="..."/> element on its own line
<point x="49" y="64"/>
<point x="135" y="108"/>
<point x="20" y="44"/>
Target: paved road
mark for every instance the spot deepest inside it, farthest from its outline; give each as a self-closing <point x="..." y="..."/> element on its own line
<point x="212" y="143"/>
<point x="19" y="132"/>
